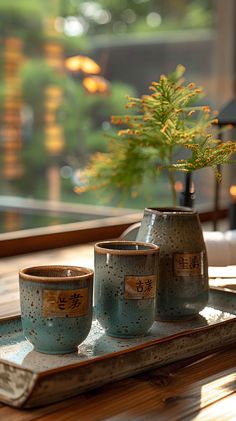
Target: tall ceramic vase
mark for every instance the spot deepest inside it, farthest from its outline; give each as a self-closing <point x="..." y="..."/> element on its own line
<point x="182" y="289"/>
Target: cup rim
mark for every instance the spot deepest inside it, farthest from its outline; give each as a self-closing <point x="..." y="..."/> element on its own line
<point x="172" y="210"/>
<point x="86" y="273"/>
<point x="102" y="247"/>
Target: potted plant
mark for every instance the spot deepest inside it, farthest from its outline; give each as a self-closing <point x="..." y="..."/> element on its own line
<point x="166" y="122"/>
<point x="158" y="128"/>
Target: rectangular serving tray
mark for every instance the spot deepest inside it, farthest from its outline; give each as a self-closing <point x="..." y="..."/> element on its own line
<point x="29" y="378"/>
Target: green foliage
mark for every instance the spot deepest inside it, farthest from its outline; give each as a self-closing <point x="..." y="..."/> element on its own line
<point x="27" y="19"/>
<point x="166" y="122"/>
<point x="75" y="45"/>
<point x="36" y="75"/>
<point x="76" y="122"/>
<point x="84" y="114"/>
<point x="131" y="16"/>
<point x="198" y="15"/>
<point x="36" y="162"/>
<point x="81" y="115"/>
<point x="21" y="18"/>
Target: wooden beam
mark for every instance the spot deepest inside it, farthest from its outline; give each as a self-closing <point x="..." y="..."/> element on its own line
<point x="46" y="238"/>
<point x="27" y="241"/>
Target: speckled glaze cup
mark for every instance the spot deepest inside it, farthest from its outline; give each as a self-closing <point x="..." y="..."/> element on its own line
<point x="56" y="306"/>
<point x="182" y="290"/>
<point x="125" y="287"/>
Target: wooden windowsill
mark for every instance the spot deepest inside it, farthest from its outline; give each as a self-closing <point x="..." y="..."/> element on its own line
<point x="27" y="241"/>
<point x="45" y="238"/>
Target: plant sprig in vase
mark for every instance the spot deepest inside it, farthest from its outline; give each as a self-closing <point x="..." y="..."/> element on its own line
<point x="166" y="122"/>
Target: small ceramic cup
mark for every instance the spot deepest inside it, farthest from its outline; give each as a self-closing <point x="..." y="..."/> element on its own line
<point x="125" y="287"/>
<point x="56" y="306"/>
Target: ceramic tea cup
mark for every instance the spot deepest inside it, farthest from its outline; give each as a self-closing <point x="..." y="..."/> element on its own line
<point x="125" y="287"/>
<point x="56" y="306"/>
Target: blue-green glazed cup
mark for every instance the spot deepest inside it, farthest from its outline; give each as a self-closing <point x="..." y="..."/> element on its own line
<point x="125" y="287"/>
<point x="56" y="306"/>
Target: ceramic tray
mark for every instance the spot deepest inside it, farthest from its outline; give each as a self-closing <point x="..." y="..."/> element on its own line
<point x="29" y="378"/>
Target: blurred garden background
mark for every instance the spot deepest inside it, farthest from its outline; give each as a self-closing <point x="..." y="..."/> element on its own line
<point x="55" y="111"/>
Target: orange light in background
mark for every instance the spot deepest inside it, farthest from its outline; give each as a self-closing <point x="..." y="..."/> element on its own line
<point x="232" y="191"/>
<point x="54" y="140"/>
<point x="54" y="91"/>
<point x="96" y="84"/>
<point x="54" y="96"/>
<point x="11" y="135"/>
<point x="13" y="43"/>
<point x="192" y="188"/>
<point x="11" y="122"/>
<point x="82" y="64"/>
<point x="11" y="118"/>
<point x="12" y="104"/>
<point x="11" y="172"/>
<point x="50" y="118"/>
<point x="53" y="49"/>
<point x="10" y="157"/>
<point x="178" y="186"/>
<point x="232" y="208"/>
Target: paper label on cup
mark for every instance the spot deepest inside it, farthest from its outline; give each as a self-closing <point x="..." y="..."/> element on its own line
<point x="188" y="264"/>
<point x="140" y="287"/>
<point x="65" y="303"/>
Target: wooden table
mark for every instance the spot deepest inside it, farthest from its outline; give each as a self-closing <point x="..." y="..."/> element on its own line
<point x="197" y="388"/>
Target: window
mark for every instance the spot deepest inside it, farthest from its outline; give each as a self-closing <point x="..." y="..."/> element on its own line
<point x="55" y="110"/>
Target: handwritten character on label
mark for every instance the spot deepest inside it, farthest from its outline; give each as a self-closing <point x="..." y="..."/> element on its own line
<point x="149" y="285"/>
<point x="139" y="286"/>
<point x="62" y="303"/>
<point x="183" y="263"/>
<point x="76" y="300"/>
<point x="195" y="263"/>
